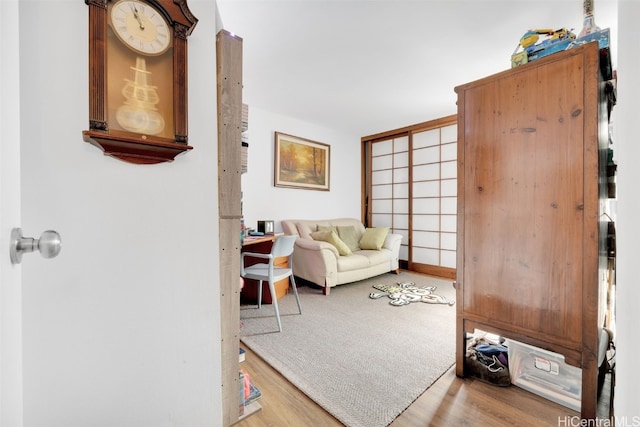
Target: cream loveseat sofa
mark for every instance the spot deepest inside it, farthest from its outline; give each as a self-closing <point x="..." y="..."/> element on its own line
<point x="320" y="262"/>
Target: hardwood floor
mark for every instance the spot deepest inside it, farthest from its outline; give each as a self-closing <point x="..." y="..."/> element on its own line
<point x="451" y="401"/>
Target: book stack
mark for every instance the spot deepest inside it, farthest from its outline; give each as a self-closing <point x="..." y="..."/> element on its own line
<point x="254" y="394"/>
<point x="245" y="117"/>
<point x="245" y="138"/>
<point x="248" y="395"/>
<point x="241" y="404"/>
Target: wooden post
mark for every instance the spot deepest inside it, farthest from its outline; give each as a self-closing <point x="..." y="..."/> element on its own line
<point x="229" y="91"/>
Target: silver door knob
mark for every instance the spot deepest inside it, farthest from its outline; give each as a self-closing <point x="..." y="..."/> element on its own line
<point x="49" y="245"/>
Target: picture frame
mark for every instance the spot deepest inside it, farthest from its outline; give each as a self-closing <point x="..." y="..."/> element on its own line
<point x="301" y="163"/>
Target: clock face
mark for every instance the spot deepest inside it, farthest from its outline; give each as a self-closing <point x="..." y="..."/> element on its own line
<point x="140" y="27"/>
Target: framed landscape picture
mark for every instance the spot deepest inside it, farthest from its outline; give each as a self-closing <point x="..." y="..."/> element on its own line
<point x="301" y="163"/>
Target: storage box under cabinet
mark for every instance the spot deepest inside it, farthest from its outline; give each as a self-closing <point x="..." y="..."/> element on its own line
<point x="545" y="374"/>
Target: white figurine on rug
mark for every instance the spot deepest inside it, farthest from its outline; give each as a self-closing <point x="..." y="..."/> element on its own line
<point x="404" y="293"/>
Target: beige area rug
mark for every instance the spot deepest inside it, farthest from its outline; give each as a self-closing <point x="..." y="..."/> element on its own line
<point x="362" y="359"/>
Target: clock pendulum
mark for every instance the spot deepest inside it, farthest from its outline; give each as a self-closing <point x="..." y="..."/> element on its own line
<point x="138" y="113"/>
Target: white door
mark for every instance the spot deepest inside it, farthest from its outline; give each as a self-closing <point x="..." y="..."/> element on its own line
<point x="10" y="276"/>
<point x="122" y="328"/>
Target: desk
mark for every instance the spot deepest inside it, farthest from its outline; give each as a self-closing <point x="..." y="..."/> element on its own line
<point x="262" y="244"/>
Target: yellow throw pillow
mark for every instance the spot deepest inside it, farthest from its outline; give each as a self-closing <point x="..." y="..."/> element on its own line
<point x="349" y="235"/>
<point x="330" y="236"/>
<point x="373" y="238"/>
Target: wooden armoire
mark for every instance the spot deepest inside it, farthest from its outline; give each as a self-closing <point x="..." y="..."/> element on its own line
<point x="531" y="260"/>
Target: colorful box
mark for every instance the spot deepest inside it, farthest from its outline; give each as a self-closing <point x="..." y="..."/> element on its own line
<point x="546" y="49"/>
<point x="603" y="37"/>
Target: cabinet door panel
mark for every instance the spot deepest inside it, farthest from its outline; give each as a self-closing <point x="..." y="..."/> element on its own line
<point x="524" y="189"/>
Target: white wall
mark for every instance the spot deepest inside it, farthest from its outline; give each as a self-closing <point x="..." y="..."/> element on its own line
<point x="627" y="154"/>
<point x="123" y="327"/>
<point x="262" y="200"/>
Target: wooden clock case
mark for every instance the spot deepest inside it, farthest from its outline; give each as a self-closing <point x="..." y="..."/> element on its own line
<point x="103" y="133"/>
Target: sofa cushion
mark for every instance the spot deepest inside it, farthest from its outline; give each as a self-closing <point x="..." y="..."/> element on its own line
<point x="304" y="230"/>
<point x="357" y="261"/>
<point x="330" y="236"/>
<point x="373" y="238"/>
<point x="375" y="256"/>
<point x="350" y="236"/>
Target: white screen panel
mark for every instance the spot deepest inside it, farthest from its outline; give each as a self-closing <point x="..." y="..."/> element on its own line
<point x="426" y="256"/>
<point x="449" y="205"/>
<point x="425" y="239"/>
<point x="381" y="220"/>
<point x="448" y="223"/>
<point x="426" y="138"/>
<point x="426" y="222"/>
<point x="401" y="144"/>
<point x="449" y="134"/>
<point x="449" y="187"/>
<point x="426" y="189"/>
<point x="401" y="175"/>
<point x="448" y="259"/>
<point x="382" y="162"/>
<point x="401" y="206"/>
<point x="401" y="160"/>
<point x="382" y="147"/>
<point x="448" y="170"/>
<point x="401" y="190"/>
<point x="381" y="206"/>
<point x="426" y="155"/>
<point x="382" y="191"/>
<point x="401" y="221"/>
<point x="426" y="172"/>
<point x="429" y="205"/>
<point x="449" y="151"/>
<point x="448" y="241"/>
<point x="382" y="177"/>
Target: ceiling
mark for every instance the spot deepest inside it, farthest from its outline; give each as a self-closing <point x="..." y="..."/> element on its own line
<point x="368" y="66"/>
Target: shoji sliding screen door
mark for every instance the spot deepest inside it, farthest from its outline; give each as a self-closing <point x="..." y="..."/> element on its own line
<point x="410" y="185"/>
<point x="389" y="188"/>
<point x="434" y="194"/>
